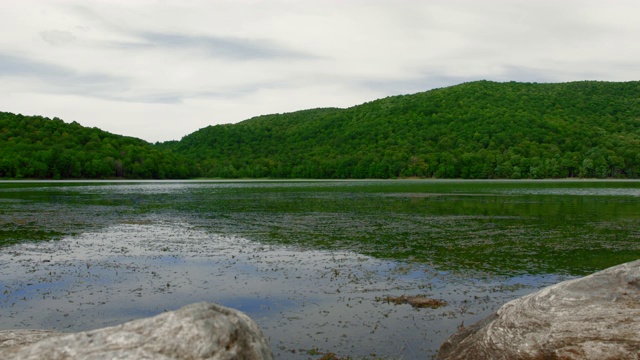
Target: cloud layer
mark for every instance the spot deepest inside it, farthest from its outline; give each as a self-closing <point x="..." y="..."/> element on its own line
<point x="159" y="70"/>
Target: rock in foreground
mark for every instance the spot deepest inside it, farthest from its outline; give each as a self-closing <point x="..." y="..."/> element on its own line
<point x="198" y="331"/>
<point x="595" y="317"/>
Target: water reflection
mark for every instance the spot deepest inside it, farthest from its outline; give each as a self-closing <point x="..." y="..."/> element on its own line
<point x="312" y="261"/>
<point x="304" y="300"/>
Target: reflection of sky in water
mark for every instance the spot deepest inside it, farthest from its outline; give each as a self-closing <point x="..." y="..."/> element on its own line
<point x="301" y="299"/>
<point x="146" y="187"/>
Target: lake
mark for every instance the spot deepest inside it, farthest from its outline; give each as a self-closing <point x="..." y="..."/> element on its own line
<point x="316" y="264"/>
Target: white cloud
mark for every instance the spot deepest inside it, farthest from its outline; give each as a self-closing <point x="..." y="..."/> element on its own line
<point x="162" y="69"/>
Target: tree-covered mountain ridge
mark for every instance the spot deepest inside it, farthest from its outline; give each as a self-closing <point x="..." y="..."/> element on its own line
<point x="34" y="147"/>
<point x="480" y="129"/>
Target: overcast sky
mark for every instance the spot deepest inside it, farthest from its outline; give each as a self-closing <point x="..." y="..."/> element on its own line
<point x="159" y="70"/>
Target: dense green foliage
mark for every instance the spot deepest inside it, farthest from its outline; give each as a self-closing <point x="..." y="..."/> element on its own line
<point x="41" y="148"/>
<point x="474" y="130"/>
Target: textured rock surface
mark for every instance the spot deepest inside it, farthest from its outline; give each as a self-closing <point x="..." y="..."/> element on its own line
<point x="595" y="317"/>
<point x="24" y="337"/>
<point x="198" y="331"/>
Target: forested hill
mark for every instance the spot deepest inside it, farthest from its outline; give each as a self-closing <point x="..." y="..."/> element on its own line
<point x="475" y="130"/>
<point x="42" y="148"/>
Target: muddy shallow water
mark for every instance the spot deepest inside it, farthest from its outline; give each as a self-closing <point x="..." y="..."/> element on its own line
<point x="311" y="262"/>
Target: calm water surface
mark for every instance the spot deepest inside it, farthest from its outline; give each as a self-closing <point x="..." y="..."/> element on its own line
<point x="312" y="262"/>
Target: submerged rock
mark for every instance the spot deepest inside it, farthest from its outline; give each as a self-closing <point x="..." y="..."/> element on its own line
<point x="197" y="331"/>
<point x="595" y="317"/>
<point x="417" y="301"/>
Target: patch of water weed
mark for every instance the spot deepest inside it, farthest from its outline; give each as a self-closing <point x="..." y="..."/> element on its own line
<point x="12" y="236"/>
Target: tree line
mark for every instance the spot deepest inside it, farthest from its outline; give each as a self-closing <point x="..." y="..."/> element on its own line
<point x="40" y="148"/>
<point x="477" y="130"/>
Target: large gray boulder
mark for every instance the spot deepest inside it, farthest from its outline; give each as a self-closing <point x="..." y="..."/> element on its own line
<point x="595" y="317"/>
<point x="198" y="331"/>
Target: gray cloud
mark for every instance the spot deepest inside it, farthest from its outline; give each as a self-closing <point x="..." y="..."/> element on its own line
<point x="225" y="47"/>
<point x="215" y="46"/>
<point x="59" y="78"/>
<point x="57" y="37"/>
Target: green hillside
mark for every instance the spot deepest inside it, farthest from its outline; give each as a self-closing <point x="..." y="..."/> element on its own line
<point x="42" y="148"/>
<point x="475" y="130"/>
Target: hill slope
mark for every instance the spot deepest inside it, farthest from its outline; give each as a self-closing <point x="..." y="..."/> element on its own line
<point x="37" y="147"/>
<point x="475" y="130"/>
